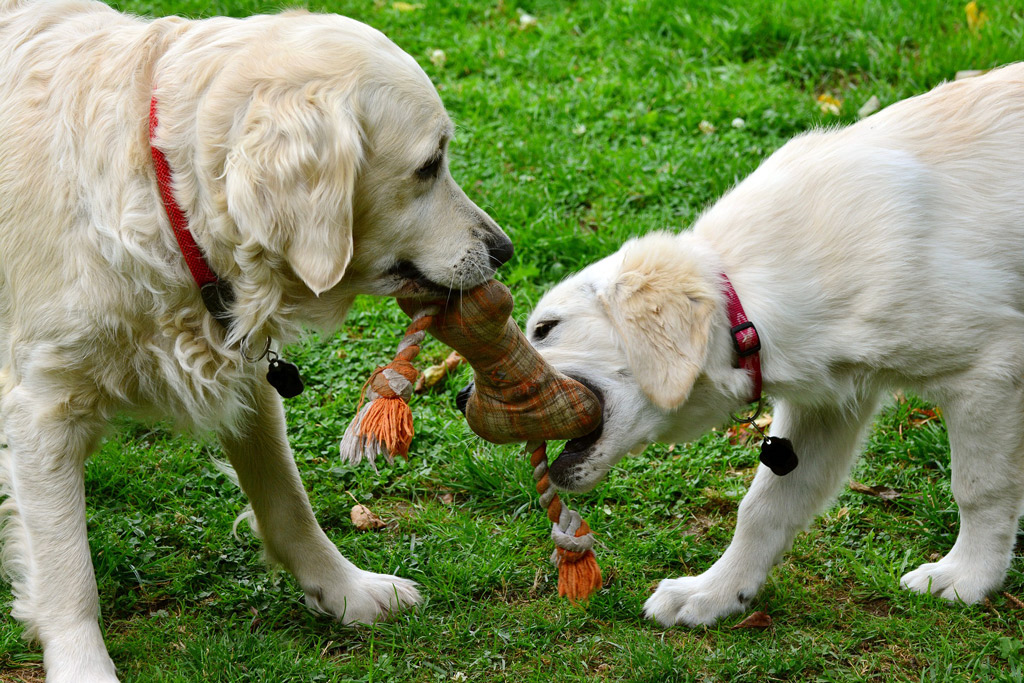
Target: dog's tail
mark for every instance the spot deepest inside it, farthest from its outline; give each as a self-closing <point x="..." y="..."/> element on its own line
<point x="247" y="515"/>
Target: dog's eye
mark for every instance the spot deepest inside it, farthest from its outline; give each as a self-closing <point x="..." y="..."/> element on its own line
<point x="543" y="329"/>
<point x="430" y="169"/>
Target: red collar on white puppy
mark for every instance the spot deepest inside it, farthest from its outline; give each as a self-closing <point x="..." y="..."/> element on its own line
<point x="776" y="452"/>
<point x="744" y="337"/>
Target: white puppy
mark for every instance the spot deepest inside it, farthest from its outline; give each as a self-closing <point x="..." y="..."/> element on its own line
<point x="308" y="154"/>
<point x="887" y="254"/>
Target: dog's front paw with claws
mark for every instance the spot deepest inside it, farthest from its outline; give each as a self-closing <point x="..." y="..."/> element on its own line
<point x="696" y="600"/>
<point x="365" y="599"/>
<point x="956" y="581"/>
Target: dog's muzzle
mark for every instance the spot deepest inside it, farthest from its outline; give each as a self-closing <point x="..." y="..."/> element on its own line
<point x="567" y="471"/>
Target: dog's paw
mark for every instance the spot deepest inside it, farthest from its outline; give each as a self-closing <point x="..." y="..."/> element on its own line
<point x="951" y="581"/>
<point x="365" y="598"/>
<point x="695" y="601"/>
<point x="78" y="676"/>
<point x="75" y="653"/>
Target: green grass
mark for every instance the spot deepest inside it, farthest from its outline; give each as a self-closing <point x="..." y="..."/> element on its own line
<point x="574" y="134"/>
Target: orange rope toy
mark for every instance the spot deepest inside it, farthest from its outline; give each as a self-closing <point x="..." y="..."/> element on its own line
<point x="516" y="396"/>
<point x="383" y="423"/>
<point x="579" y="576"/>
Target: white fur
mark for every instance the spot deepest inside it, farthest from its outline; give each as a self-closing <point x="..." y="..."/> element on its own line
<point x="884" y="255"/>
<point x="294" y="142"/>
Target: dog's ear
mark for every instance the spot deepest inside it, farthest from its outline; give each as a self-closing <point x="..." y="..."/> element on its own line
<point x="290" y="180"/>
<point x="661" y="307"/>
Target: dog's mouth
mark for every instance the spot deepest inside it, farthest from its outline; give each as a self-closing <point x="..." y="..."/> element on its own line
<point x="413" y="284"/>
<point x="568" y="471"/>
<point x="565" y="472"/>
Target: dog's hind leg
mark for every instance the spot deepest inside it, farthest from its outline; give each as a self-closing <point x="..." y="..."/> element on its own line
<point x="987" y="457"/>
<point x="262" y="459"/>
<point x="49" y="436"/>
<point x="772" y="513"/>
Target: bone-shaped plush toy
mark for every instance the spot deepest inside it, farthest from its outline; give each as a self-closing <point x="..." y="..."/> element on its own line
<point x="517" y="396"/>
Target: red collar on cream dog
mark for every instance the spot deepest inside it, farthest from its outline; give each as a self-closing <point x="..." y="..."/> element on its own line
<point x="217" y="294"/>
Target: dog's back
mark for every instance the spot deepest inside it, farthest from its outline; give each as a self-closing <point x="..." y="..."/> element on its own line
<point x="64" y="141"/>
<point x="87" y="279"/>
<point x="925" y="198"/>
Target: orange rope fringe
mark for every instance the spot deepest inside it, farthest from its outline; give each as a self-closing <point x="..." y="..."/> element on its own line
<point x="579" y="575"/>
<point x="388" y="418"/>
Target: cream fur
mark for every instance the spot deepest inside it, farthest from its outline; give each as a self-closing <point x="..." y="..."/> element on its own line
<point x="880" y="256"/>
<point x="297" y="144"/>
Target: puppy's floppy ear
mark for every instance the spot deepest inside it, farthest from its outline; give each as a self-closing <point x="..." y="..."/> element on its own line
<point x="662" y="308"/>
<point x="290" y="180"/>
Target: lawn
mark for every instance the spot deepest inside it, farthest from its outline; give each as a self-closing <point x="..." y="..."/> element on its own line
<point x="579" y="124"/>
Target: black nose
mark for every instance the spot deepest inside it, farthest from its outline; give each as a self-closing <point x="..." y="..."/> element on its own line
<point x="500" y="249"/>
<point x="462" y="398"/>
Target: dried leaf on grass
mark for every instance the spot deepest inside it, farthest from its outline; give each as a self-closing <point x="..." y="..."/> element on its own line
<point x="527" y="21"/>
<point x="538" y="578"/>
<point x="430" y="377"/>
<point x="872" y="105"/>
<point x="976" y="17"/>
<point x="757" y="620"/>
<point x="883" y="492"/>
<point x="739" y="433"/>
<point x="363" y="517"/>
<point x="968" y="73"/>
<point x="921" y="416"/>
<point x="829" y="104"/>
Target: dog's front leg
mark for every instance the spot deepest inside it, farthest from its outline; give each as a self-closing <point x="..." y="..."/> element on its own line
<point x="267" y="473"/>
<point x="47" y="550"/>
<point x="772" y="513"/>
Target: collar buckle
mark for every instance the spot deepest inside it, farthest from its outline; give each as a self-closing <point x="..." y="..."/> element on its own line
<point x="745" y="344"/>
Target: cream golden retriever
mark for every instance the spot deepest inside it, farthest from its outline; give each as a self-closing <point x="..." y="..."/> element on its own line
<point x="308" y="153"/>
<point x="889" y="254"/>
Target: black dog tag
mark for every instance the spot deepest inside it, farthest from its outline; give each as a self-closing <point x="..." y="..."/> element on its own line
<point x="778" y="455"/>
<point x="284" y="377"/>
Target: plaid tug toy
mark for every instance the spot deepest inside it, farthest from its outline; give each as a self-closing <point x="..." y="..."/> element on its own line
<point x="517" y="396"/>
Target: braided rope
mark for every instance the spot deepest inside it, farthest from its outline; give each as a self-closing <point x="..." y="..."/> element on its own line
<point x="383" y="422"/>
<point x="578" y="573"/>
